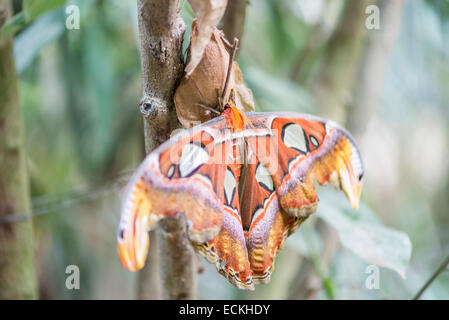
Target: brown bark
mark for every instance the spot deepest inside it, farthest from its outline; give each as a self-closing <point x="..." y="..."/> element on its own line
<point x="161" y="32"/>
<point x="17" y="273"/>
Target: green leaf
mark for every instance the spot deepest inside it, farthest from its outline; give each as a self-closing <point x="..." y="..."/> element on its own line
<point x="31" y="10"/>
<point x="29" y="42"/>
<point x="13" y="25"/>
<point x="276" y="94"/>
<point x="362" y="233"/>
<point x="34" y="8"/>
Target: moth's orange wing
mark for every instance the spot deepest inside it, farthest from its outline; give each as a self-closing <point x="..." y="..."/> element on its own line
<point x="228" y="250"/>
<point x="254" y="228"/>
<point x="319" y="150"/>
<point x="285" y="154"/>
<point x="303" y="149"/>
<point x="265" y="224"/>
<point x="181" y="176"/>
<point x="279" y="191"/>
<point x="240" y="206"/>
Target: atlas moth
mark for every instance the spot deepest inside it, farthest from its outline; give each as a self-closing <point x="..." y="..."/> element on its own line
<point x="244" y="181"/>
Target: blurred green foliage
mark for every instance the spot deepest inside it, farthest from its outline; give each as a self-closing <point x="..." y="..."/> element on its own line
<point x="80" y="89"/>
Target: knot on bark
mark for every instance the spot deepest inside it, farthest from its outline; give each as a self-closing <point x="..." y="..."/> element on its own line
<point x="149" y="107"/>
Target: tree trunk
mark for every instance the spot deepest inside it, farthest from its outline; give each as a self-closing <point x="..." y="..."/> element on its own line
<point x="334" y="80"/>
<point x="149" y="285"/>
<point x="373" y="66"/>
<point x="17" y="273"/>
<point x="161" y="32"/>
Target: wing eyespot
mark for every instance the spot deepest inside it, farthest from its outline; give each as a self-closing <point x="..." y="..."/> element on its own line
<point x="193" y="156"/>
<point x="314" y="141"/>
<point x="264" y="178"/>
<point x="229" y="186"/>
<point x="171" y="171"/>
<point x="294" y="137"/>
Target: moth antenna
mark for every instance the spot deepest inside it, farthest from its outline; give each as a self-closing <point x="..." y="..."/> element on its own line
<point x="208" y="108"/>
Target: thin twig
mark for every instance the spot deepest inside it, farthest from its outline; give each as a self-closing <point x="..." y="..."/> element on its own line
<point x="46" y="204"/>
<point x="432" y="278"/>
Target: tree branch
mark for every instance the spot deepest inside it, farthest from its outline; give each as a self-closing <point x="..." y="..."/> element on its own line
<point x="336" y="75"/>
<point x="367" y="90"/>
<point x="149" y="278"/>
<point x="17" y="273"/>
<point x="432" y="278"/>
<point x="161" y="32"/>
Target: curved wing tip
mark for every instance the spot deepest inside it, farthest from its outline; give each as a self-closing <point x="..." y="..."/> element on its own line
<point x="351" y="179"/>
<point x="128" y="262"/>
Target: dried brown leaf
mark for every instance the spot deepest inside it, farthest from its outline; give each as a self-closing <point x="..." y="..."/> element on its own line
<point x="206" y="83"/>
<point x="208" y="14"/>
<point x="243" y="95"/>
